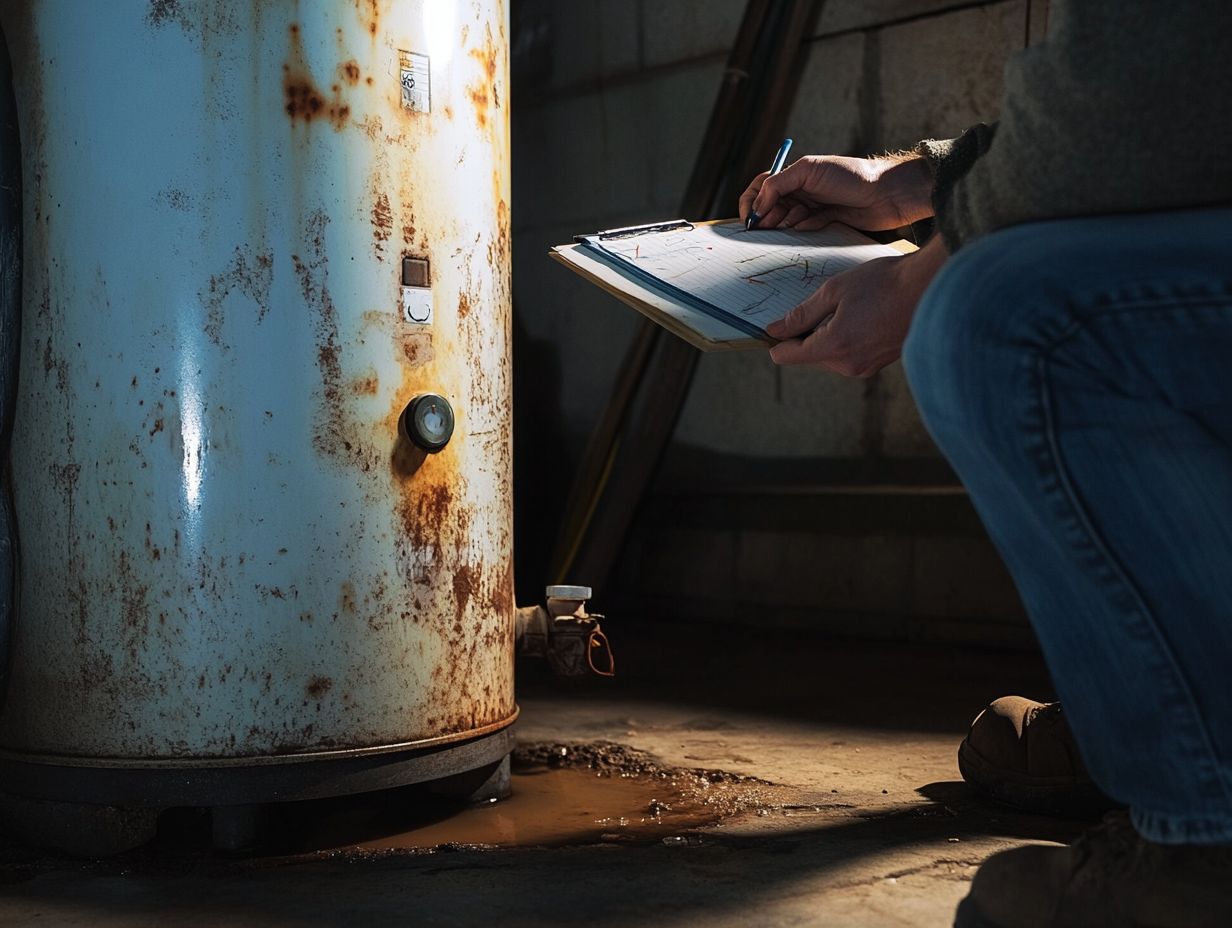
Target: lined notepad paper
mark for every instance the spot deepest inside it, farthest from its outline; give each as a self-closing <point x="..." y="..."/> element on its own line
<point x="749" y="278"/>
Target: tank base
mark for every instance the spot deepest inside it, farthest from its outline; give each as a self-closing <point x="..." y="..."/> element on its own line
<point x="116" y="809"/>
<point x="239" y="782"/>
<point x="477" y="787"/>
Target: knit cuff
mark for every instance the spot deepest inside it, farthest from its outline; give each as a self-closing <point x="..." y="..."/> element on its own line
<point x="948" y="160"/>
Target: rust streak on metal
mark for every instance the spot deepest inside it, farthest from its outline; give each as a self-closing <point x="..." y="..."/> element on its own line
<point x="350" y="71"/>
<point x="250" y="275"/>
<point x="369" y="15"/>
<point x="304" y="100"/>
<point x="382" y="222"/>
<point x="163" y="11"/>
<point x="335" y="434"/>
<point x="466" y="580"/>
<point x="365" y="386"/>
<point x="485" y="95"/>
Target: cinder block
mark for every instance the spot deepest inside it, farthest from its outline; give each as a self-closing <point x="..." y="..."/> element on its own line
<point x="684" y="29"/>
<point x="825" y="118"/>
<point x="864" y="573"/>
<point x="826" y="408"/>
<point x="962" y="577"/>
<point x="842" y="15"/>
<point x="557" y="147"/>
<point x="671" y="128"/>
<point x="741" y="404"/>
<point x="626" y="146"/>
<point x="575" y="32"/>
<point x="694" y="563"/>
<point x="903" y="434"/>
<point x="620" y="35"/>
<point x="593" y="39"/>
<point x="941" y="74"/>
<point x="581" y="158"/>
<point x="591" y="329"/>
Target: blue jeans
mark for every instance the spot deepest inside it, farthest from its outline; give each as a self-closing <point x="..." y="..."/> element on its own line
<point x="1078" y="375"/>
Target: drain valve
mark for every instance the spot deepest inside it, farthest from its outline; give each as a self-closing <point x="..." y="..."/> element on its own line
<point x="427" y="422"/>
<point x="564" y="633"/>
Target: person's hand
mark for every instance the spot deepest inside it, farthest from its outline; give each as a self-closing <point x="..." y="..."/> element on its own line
<point x="856" y="322"/>
<point x="867" y="193"/>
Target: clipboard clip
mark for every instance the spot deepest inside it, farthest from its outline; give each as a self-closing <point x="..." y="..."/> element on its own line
<point x="678" y="225"/>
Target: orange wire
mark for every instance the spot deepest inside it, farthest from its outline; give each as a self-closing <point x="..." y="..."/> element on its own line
<point x="606" y="645"/>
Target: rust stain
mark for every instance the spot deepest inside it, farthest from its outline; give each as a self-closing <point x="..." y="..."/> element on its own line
<point x="350" y="71"/>
<point x="304" y="100"/>
<point x="382" y="222"/>
<point x="501" y="600"/>
<point x="319" y="686"/>
<point x="485" y="96"/>
<point x="250" y="275"/>
<point x="488" y="55"/>
<point x="417" y="349"/>
<point x="464" y="305"/>
<point x="498" y="247"/>
<point x="346" y="598"/>
<point x="334" y="435"/>
<point x="369" y="14"/>
<point x="164" y="11"/>
<point x="365" y="386"/>
<point x="465" y="585"/>
<point x="480" y="102"/>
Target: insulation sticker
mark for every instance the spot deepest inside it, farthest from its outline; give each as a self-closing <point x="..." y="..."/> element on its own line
<point x="415" y="80"/>
<point x="417" y="305"/>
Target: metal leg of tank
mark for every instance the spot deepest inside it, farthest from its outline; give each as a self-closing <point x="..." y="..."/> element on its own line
<point x="234" y="828"/>
<point x="485" y="784"/>
<point x="77" y="828"/>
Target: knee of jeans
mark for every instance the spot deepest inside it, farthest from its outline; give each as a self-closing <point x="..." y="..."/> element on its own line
<point x="979" y="312"/>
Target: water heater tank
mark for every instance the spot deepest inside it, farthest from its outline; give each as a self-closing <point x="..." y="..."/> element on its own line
<point x="261" y="456"/>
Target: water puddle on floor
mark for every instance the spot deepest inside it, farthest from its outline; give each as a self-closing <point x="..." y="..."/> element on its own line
<point x="562" y="795"/>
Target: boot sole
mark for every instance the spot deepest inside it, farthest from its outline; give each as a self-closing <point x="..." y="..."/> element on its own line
<point x="1060" y="796"/>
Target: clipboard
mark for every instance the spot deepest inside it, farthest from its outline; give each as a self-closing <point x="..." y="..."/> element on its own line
<point x="695" y="327"/>
<point x="687" y="313"/>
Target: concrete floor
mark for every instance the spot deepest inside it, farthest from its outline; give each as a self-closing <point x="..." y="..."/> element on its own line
<point x="863" y="735"/>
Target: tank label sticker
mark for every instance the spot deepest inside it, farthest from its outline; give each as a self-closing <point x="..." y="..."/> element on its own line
<point x="416" y="81"/>
<point x="417" y="305"/>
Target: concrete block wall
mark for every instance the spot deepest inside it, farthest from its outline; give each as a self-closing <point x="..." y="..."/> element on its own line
<point x="610" y="102"/>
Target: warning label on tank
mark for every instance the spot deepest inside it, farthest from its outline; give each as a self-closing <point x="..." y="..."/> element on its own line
<point x="416" y="83"/>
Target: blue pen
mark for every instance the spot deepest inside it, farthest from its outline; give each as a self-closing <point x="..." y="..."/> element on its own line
<point x="779" y="160"/>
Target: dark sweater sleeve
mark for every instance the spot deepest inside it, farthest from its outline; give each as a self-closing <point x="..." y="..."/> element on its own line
<point x="1121" y="109"/>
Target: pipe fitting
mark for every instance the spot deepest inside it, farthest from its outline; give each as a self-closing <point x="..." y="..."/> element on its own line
<point x="565" y="634"/>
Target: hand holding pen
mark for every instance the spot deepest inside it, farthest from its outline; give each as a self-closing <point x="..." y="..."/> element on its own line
<point x="816" y="190"/>
<point x="780" y="159"/>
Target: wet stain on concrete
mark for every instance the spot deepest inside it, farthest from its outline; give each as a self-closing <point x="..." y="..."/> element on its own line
<point x="564" y="793"/>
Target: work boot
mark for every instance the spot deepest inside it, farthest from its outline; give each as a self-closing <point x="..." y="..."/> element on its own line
<point x="1020" y="752"/>
<point x="1109" y="878"/>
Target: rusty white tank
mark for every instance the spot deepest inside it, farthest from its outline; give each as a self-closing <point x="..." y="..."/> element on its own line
<point x="255" y="234"/>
